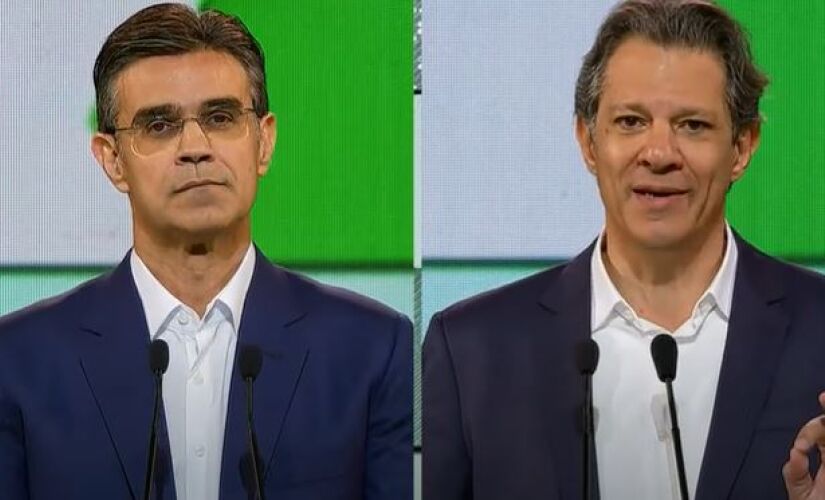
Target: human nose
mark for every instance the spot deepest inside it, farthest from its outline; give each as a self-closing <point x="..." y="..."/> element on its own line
<point x="194" y="146"/>
<point x="660" y="152"/>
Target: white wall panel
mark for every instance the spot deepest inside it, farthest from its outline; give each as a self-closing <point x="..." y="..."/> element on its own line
<point x="56" y="206"/>
<point x="502" y="175"/>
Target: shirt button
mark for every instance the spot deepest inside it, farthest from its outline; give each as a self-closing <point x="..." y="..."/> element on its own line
<point x="200" y="451"/>
<point x="183" y="318"/>
<point x="198" y="379"/>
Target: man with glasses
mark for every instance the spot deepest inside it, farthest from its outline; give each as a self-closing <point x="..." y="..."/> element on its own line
<point x="185" y="132"/>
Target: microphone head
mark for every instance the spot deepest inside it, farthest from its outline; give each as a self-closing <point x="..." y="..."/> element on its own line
<point x="664" y="352"/>
<point x="587" y="356"/>
<point x="158" y="356"/>
<point x="250" y="361"/>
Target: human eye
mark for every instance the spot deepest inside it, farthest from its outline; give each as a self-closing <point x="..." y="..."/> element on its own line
<point x="694" y="126"/>
<point x="629" y="122"/>
<point x="219" y="119"/>
<point x="160" y="127"/>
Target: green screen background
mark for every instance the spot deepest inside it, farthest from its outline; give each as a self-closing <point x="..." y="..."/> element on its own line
<point x="340" y="189"/>
<point x="780" y="203"/>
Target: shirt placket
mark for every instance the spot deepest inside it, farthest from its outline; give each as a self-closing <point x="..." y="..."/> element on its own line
<point x="198" y="400"/>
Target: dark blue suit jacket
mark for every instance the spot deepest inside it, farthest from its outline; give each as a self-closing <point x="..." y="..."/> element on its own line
<point x="502" y="395"/>
<point x="333" y="401"/>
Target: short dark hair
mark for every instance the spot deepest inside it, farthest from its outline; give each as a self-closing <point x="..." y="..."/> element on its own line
<point x="694" y="24"/>
<point x="173" y="29"/>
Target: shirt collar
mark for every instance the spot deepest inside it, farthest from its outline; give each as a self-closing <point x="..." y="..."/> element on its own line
<point x="606" y="299"/>
<point x="159" y="303"/>
<point x="721" y="288"/>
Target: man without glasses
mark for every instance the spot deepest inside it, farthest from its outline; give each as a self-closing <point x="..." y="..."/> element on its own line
<point x="667" y="119"/>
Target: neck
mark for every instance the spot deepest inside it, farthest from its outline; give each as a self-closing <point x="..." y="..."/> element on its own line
<point x="193" y="270"/>
<point x="663" y="284"/>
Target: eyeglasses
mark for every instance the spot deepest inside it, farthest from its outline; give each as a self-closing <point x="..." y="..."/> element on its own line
<point x="154" y="134"/>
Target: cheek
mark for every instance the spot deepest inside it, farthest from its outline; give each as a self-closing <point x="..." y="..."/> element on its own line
<point x="610" y="191"/>
<point x="713" y="166"/>
<point x="238" y="158"/>
<point x="146" y="182"/>
<point x="614" y="167"/>
<point x="717" y="155"/>
<point x="244" y="171"/>
<point x="617" y="153"/>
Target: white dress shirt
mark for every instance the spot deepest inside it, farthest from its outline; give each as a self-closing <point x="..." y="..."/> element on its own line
<point x="196" y="385"/>
<point x="634" y="448"/>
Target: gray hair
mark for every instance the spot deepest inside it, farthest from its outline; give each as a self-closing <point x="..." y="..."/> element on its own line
<point x="693" y="24"/>
<point x="173" y="29"/>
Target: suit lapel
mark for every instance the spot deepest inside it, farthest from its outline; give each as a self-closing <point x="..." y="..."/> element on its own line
<point x="756" y="332"/>
<point x="270" y="309"/>
<point x="113" y="355"/>
<point x="568" y="301"/>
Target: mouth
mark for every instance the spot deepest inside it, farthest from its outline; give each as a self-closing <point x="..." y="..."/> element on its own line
<point x="200" y="183"/>
<point x="658" y="196"/>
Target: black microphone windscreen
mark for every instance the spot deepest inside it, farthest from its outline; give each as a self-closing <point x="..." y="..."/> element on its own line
<point x="250" y="361"/>
<point x="664" y="352"/>
<point x="587" y="356"/>
<point x="158" y="356"/>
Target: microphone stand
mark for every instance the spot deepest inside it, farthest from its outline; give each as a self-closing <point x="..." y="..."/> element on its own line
<point x="588" y="439"/>
<point x="665" y="353"/>
<point x="158" y="363"/>
<point x="587" y="359"/>
<point x="250" y="361"/>
<point x="253" y="441"/>
<point x="677" y="440"/>
<point x="153" y="438"/>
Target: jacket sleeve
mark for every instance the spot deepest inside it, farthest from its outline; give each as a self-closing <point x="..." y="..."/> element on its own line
<point x="446" y="462"/>
<point x="13" y="483"/>
<point x="389" y="465"/>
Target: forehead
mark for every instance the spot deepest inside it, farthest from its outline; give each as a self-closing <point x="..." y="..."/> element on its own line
<point x="184" y="80"/>
<point x="645" y="73"/>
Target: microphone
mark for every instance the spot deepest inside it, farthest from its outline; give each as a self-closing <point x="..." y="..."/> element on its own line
<point x="587" y="358"/>
<point x="250" y="361"/>
<point x="664" y="352"/>
<point x="158" y="363"/>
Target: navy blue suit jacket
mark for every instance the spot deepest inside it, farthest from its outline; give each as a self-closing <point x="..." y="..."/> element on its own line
<point x="502" y="395"/>
<point x="333" y="401"/>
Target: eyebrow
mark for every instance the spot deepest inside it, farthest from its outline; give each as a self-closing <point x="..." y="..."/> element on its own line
<point x="680" y="112"/>
<point x="222" y="102"/>
<point x="144" y="114"/>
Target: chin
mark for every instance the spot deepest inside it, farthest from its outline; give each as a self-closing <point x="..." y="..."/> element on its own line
<point x="204" y="231"/>
<point x="205" y="227"/>
<point x="660" y="238"/>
